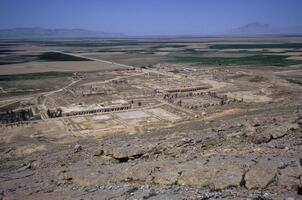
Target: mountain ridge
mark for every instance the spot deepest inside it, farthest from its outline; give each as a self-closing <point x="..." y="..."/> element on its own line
<point x="38" y="32"/>
<point x="256" y="28"/>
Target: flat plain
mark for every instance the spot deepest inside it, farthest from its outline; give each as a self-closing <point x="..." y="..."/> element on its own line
<point x="151" y="118"/>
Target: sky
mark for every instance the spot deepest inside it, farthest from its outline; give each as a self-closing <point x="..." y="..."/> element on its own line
<point x="150" y="17"/>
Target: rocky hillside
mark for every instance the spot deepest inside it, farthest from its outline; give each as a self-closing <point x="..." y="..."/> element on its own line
<point x="255" y="157"/>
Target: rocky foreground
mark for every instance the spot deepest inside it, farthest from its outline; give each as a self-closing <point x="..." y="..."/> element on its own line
<point x="257" y="156"/>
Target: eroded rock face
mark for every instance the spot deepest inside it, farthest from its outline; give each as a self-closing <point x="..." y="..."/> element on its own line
<point x="273" y="132"/>
<point x="229" y="175"/>
<point x="261" y="175"/>
<point x="141" y="172"/>
<point x="128" y="151"/>
<point x="221" y="162"/>
<point x="167" y="173"/>
<point x="145" y="148"/>
<point x="196" y="173"/>
<point x="213" y="175"/>
<point x="290" y="177"/>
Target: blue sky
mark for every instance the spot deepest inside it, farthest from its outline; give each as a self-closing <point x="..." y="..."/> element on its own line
<point x="149" y="17"/>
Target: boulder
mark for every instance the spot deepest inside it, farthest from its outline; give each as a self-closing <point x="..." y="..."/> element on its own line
<point x="167" y="173"/>
<point x="228" y="175"/>
<point x="289" y="177"/>
<point x="260" y="175"/>
<point x="215" y="175"/>
<point x="77" y="148"/>
<point x="127" y="151"/>
<point x="196" y="174"/>
<point x="141" y="172"/>
<point x="270" y="133"/>
<point x="279" y="132"/>
<point x="263" y="137"/>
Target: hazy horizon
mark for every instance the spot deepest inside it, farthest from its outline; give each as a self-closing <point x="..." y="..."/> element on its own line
<point x="142" y="17"/>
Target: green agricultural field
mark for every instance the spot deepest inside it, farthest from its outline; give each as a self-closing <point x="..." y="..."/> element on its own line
<point x="262" y="60"/>
<point x="6" y="51"/>
<point x="257" y="46"/>
<point x="108" y="43"/>
<point x="194" y="51"/>
<point x="55" y="56"/>
<point x="14" y="59"/>
<point x="48" y="57"/>
<point x="168" y="46"/>
<point x="33" y="76"/>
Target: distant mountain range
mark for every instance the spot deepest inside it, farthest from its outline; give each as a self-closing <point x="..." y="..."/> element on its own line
<point x="250" y="29"/>
<point x="256" y="28"/>
<point x="36" y="33"/>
